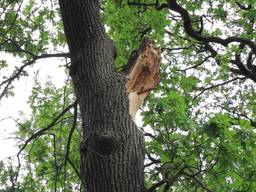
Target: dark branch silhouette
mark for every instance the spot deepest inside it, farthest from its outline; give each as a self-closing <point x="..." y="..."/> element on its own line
<point x="69" y="140"/>
<point x="174" y="6"/>
<point x="39" y="133"/>
<point x="218" y="85"/>
<point x="17" y="73"/>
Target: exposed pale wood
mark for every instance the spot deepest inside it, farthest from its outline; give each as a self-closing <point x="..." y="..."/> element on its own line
<point x="143" y="75"/>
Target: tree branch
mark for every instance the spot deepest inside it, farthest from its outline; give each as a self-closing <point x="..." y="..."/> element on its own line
<point x="169" y="181"/>
<point x="156" y="185"/>
<point x="198" y="181"/>
<point x="40" y="132"/>
<point x="196" y="65"/>
<point x="12" y="23"/>
<point x="157" y="5"/>
<point x="69" y="140"/>
<point x="174" y="6"/>
<point x="75" y="169"/>
<point x="243" y="7"/>
<point x="16" y="74"/>
<point x="218" y="85"/>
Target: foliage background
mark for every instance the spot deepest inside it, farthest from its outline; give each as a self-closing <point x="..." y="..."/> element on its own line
<point x="199" y="123"/>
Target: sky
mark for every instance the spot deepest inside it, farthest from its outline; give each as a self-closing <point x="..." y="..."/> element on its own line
<point x="10" y="107"/>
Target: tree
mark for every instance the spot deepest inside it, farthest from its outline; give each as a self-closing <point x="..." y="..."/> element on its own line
<point x="201" y="116"/>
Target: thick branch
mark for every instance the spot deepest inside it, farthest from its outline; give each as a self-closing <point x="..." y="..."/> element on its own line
<point x="174" y="6"/>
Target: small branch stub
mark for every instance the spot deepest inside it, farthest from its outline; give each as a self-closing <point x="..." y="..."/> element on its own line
<point x="143" y="74"/>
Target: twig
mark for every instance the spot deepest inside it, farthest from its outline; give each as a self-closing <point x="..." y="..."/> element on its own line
<point x="174" y="6"/>
<point x="218" y="85"/>
<point x="17" y="73"/>
<point x="170" y="181"/>
<point x="69" y="141"/>
<point x="197" y="180"/>
<point x="39" y="133"/>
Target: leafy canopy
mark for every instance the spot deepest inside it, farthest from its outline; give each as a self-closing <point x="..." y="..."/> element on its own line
<point x="199" y="123"/>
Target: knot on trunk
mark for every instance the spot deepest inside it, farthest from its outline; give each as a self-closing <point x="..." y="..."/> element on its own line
<point x="106" y="143"/>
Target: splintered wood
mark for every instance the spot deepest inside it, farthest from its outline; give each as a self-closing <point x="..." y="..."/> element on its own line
<point x="145" y="72"/>
<point x="143" y="75"/>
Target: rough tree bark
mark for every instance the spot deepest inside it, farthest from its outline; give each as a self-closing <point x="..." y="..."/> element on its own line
<point x="112" y="152"/>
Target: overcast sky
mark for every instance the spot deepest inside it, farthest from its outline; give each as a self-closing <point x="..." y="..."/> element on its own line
<point x="10" y="107"/>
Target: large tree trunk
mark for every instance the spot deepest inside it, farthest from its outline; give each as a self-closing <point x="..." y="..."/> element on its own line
<point x="112" y="154"/>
